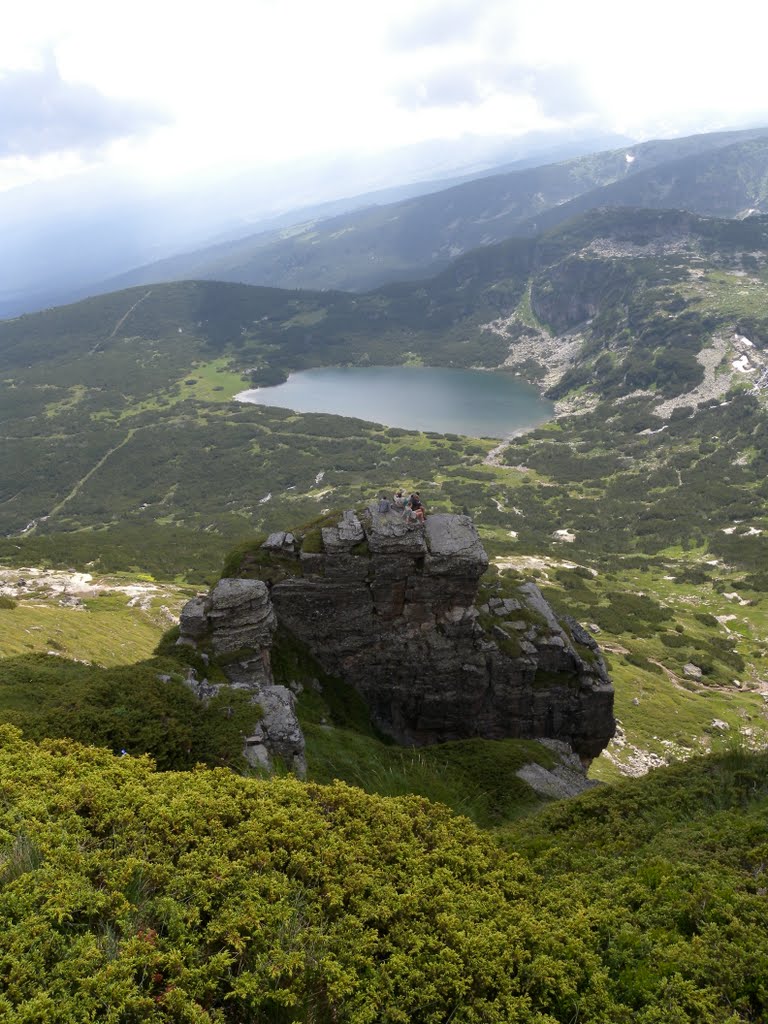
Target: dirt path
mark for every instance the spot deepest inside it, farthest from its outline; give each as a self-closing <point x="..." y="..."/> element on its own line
<point x="120" y="323"/>
<point x="493" y="458"/>
<point x="31" y="527"/>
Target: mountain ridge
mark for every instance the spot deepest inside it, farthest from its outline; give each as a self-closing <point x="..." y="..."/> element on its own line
<point x="418" y="237"/>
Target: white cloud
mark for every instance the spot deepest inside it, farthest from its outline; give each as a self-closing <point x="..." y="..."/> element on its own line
<point x="257" y="82"/>
<point x="41" y="114"/>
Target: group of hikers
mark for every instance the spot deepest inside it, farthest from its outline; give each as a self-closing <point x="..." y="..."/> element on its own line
<point x="412" y="508"/>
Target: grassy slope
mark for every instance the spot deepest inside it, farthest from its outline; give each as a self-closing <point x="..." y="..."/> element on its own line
<point x="106" y="620"/>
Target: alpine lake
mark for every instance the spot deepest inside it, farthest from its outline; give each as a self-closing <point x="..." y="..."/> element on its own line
<point x="476" y="403"/>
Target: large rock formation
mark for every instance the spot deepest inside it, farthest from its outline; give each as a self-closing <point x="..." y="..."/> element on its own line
<point x="391" y="607"/>
<point x="236" y="622"/>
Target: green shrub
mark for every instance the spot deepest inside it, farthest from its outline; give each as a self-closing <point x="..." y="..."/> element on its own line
<point x="247" y="550"/>
<point x="142" y="708"/>
<point x="312" y="543"/>
<point x="132" y="895"/>
<point x="674" y="640"/>
<point x="639" y="661"/>
<point x="706" y="619"/>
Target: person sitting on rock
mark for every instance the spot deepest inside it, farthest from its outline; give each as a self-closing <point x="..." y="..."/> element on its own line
<point x="384" y="503"/>
<point x="399" y="501"/>
<point x="417" y="507"/>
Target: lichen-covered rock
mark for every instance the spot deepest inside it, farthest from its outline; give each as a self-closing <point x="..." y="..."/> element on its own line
<point x="193" y="622"/>
<point x="454" y="546"/>
<point x="280" y="542"/>
<point x="393" y="533"/>
<point x="566" y="778"/>
<point x="277" y="733"/>
<point x="345" y="535"/>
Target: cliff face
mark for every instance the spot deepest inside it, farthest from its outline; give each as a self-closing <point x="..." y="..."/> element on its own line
<point x="391" y="608"/>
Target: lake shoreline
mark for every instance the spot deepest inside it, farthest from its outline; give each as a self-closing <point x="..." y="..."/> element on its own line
<point x="445" y="400"/>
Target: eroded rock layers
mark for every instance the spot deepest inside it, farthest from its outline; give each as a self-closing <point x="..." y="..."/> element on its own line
<point x="392" y="608"/>
<point x="399" y="623"/>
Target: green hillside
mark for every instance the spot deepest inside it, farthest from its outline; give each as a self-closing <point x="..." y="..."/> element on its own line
<point x="731" y="181"/>
<point x="721" y="174"/>
<point x="127" y="895"/>
<point x="396" y="885"/>
<point x="118" y="411"/>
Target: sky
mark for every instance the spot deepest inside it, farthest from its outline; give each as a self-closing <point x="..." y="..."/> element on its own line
<point x="160" y="90"/>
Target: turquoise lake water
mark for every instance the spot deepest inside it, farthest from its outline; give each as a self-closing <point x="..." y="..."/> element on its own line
<point x="446" y="400"/>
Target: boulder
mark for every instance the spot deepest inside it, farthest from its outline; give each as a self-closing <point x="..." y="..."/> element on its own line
<point x="454" y="546"/>
<point x="277" y="733"/>
<point x="193" y="621"/>
<point x="238" y="620"/>
<point x="397" y="621"/>
<point x="400" y="625"/>
<point x="345" y="535"/>
<point x="565" y="779"/>
<point x="240" y="615"/>
<point x="392" y="533"/>
<point x="280" y="542"/>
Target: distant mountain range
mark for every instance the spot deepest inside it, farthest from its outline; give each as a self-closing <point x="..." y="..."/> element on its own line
<point x="58" y="238"/>
<point x="722" y="174"/>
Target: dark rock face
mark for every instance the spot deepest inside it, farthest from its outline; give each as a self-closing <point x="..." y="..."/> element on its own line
<point x="400" y="625"/>
<point x="238" y="621"/>
<point x="389" y="606"/>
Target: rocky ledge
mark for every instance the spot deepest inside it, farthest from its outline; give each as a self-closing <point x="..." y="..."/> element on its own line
<point x="394" y="609"/>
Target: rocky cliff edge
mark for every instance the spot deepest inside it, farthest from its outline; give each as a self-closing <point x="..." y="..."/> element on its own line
<point x="396" y="611"/>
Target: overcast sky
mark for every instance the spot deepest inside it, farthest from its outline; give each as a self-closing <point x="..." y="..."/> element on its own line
<point x="165" y="89"/>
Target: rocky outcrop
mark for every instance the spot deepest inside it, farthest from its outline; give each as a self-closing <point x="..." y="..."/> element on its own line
<point x="565" y="778"/>
<point x="400" y="624"/>
<point x="236" y="622"/>
<point x="392" y="608"/>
